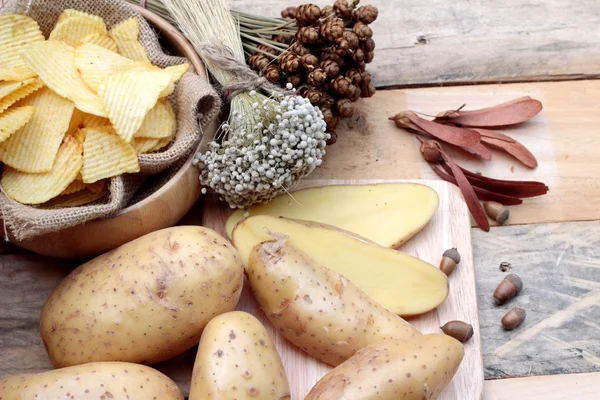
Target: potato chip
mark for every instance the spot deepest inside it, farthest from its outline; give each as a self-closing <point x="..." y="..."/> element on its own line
<point x="39" y="188"/>
<point x="106" y="155"/>
<point x="70" y="12"/>
<point x="33" y="148"/>
<point x="79" y="136"/>
<point x="128" y="96"/>
<point x="76" y="122"/>
<point x="74" y="187"/>
<point x="101" y="40"/>
<point x="16" y="31"/>
<point x="13" y="119"/>
<point x="10" y="87"/>
<point x="19" y="94"/>
<point x="75" y="25"/>
<point x="97" y="187"/>
<point x="75" y="199"/>
<point x="126" y="35"/>
<point x="95" y="63"/>
<point x="54" y="62"/>
<point x="176" y="72"/>
<point x="148" y="145"/>
<point x="159" y="122"/>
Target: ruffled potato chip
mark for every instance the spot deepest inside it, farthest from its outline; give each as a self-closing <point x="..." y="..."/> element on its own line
<point x="74" y="187"/>
<point x="101" y="40"/>
<point x="9" y="87"/>
<point x="76" y="199"/>
<point x="39" y="188"/>
<point x="33" y="148"/>
<point x="159" y="122"/>
<point x="148" y="145"/>
<point x="106" y="155"/>
<point x="129" y="96"/>
<point x="126" y="35"/>
<point x="95" y="63"/>
<point x="20" y="93"/>
<point x="72" y="26"/>
<point x="16" y="32"/>
<point x="176" y="72"/>
<point x="96" y="187"/>
<point x="54" y="62"/>
<point x="13" y="119"/>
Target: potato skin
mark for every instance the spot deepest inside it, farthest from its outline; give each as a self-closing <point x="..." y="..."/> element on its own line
<point x="103" y="380"/>
<point x="317" y="309"/>
<point x="237" y="360"/>
<point x="144" y="302"/>
<point x="414" y="369"/>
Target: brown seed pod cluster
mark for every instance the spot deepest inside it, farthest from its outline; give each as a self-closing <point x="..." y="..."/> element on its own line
<point x="326" y="59"/>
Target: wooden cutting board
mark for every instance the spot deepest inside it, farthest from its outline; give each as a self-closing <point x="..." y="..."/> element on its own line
<point x="450" y="227"/>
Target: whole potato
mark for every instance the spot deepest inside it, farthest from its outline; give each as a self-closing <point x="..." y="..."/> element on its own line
<point x="102" y="380"/>
<point x="317" y="309"/>
<point x="415" y="369"/>
<point x="144" y="302"/>
<point x="237" y="360"/>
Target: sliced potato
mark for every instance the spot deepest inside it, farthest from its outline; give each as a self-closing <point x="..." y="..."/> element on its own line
<point x="387" y="213"/>
<point x="404" y="284"/>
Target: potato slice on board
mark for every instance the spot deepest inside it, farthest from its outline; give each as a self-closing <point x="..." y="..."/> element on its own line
<point x="160" y="122"/>
<point x="20" y="93"/>
<point x="16" y="32"/>
<point x="13" y="119"/>
<point x="75" y="25"/>
<point x="33" y="148"/>
<point x="129" y="96"/>
<point x="105" y="155"/>
<point x="101" y="40"/>
<point x="54" y="62"/>
<point x="126" y="34"/>
<point x="95" y="63"/>
<point x="39" y="188"/>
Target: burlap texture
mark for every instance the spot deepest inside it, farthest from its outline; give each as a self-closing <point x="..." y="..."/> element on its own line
<point x="193" y="97"/>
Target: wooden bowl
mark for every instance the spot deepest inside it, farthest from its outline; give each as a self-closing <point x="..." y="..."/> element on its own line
<point x="162" y="209"/>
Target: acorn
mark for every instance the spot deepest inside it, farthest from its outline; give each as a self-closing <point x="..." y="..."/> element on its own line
<point x="459" y="330"/>
<point x="510" y="286"/>
<point x="496" y="211"/>
<point x="513" y="318"/>
<point x="431" y="151"/>
<point x="450" y="258"/>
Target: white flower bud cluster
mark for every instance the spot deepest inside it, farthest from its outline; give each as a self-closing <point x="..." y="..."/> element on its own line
<point x="279" y="141"/>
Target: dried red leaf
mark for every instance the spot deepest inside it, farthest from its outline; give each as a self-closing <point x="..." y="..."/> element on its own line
<point x="519" y="189"/>
<point x="461" y="137"/>
<point x="509" y="113"/>
<point x="482" y="194"/>
<point x="467" y="190"/>
<point x="515" y="149"/>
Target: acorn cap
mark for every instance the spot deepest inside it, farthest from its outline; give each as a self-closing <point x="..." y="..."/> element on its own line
<point x="452" y="254"/>
<point x="516" y="281"/>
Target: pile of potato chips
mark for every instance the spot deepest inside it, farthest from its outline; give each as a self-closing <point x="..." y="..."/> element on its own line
<point x="78" y="108"/>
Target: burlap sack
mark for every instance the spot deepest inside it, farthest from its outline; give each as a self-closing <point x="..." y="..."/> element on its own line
<point x="193" y="97"/>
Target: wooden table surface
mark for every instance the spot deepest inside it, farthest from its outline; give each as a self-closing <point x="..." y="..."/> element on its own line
<point x="553" y="242"/>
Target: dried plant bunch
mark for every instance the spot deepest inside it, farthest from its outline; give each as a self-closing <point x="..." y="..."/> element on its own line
<point x="272" y="138"/>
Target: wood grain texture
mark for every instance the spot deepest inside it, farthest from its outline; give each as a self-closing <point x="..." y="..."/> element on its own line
<point x="563" y="137"/>
<point x="448" y="228"/>
<point x="475" y="41"/>
<point x="553" y="387"/>
<point x="560" y="268"/>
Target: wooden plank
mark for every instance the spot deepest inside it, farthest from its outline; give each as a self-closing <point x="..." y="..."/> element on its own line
<point x="476" y="41"/>
<point x="554" y="387"/>
<point x="448" y="228"/>
<point x="562" y="137"/>
<point x="560" y="268"/>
